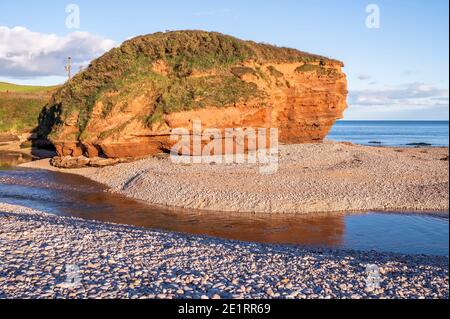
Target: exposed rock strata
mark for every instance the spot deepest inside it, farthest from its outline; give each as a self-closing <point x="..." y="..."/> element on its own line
<point x="132" y="113"/>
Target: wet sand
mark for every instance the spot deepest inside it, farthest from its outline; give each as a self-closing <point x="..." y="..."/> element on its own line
<point x="312" y="178"/>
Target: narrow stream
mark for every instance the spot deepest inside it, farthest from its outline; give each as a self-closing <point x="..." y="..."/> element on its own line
<point x="71" y="195"/>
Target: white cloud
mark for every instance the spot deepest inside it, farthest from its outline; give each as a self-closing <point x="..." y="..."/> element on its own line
<point x="364" y="77"/>
<point x="24" y="53"/>
<point x="407" y="95"/>
<point x="411" y="100"/>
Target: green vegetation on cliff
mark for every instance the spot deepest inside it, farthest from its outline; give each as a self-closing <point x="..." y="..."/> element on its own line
<point x="319" y="69"/>
<point x="128" y="71"/>
<point x="273" y="70"/>
<point x="186" y="94"/>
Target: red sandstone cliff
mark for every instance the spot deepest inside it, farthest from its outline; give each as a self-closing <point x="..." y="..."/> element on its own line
<point x="301" y="97"/>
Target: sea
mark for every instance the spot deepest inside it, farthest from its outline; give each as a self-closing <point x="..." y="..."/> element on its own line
<point x="392" y="133"/>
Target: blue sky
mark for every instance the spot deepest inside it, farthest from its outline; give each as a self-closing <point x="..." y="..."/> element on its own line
<point x="399" y="71"/>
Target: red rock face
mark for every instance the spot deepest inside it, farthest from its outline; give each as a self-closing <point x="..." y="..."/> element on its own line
<point x="302" y="105"/>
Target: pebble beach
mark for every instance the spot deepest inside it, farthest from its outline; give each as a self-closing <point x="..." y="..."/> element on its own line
<point x="46" y="256"/>
<point x="42" y="254"/>
<point x="311" y="178"/>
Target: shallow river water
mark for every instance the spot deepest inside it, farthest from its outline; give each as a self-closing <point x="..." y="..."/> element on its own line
<point x="71" y="195"/>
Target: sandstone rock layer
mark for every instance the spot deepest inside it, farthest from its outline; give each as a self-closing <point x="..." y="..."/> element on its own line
<point x="128" y="102"/>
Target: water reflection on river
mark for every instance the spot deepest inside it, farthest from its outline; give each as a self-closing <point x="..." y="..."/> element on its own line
<point x="71" y="195"/>
<point x="13" y="158"/>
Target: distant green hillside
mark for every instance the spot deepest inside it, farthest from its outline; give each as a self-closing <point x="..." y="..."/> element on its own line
<point x="20" y="106"/>
<point x="15" y="88"/>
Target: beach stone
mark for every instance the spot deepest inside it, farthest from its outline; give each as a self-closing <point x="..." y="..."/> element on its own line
<point x="270" y="292"/>
<point x="167" y="260"/>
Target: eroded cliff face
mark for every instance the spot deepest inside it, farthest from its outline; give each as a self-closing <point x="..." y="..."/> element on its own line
<point x="302" y="96"/>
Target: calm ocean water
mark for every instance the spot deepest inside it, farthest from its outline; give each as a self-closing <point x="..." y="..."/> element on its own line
<point x="391" y="133"/>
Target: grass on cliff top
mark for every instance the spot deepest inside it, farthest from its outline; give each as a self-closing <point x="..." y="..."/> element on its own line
<point x="127" y="68"/>
<point x="205" y="50"/>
